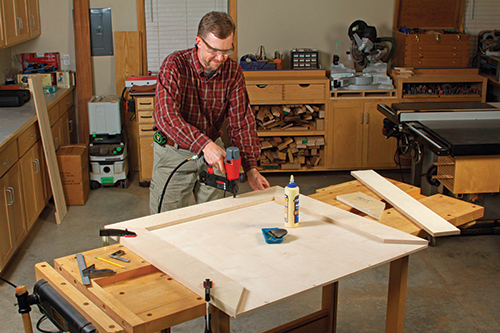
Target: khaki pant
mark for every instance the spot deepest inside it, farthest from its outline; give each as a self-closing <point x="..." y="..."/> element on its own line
<point x="183" y="183"/>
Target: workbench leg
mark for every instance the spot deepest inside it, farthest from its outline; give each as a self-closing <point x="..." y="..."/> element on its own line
<point x="329" y="301"/>
<point x="219" y="321"/>
<point x="166" y="330"/>
<point x="398" y="275"/>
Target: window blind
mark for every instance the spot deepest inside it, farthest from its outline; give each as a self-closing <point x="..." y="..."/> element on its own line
<point x="172" y="25"/>
<point x="480" y="15"/>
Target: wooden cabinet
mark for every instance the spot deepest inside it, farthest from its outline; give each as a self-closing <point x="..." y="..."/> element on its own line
<point x="34" y="182"/>
<point x="2" y="32"/>
<point x="429" y="34"/>
<point x="290" y="109"/>
<point x="356" y="136"/>
<point x="16" y="24"/>
<point x="20" y="21"/>
<point x="12" y="218"/>
<point x="24" y="184"/>
<point x="441" y="85"/>
<point x="144" y="108"/>
<point x="34" y="18"/>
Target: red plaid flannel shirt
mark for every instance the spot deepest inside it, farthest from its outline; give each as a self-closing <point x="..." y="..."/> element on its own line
<point x="190" y="108"/>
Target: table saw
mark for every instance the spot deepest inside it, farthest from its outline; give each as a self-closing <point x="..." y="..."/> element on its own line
<point x="456" y="144"/>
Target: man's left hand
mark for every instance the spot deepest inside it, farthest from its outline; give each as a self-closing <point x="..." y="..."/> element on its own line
<point x="256" y="180"/>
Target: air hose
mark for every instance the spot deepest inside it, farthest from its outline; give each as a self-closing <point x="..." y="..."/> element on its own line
<point x="195" y="157"/>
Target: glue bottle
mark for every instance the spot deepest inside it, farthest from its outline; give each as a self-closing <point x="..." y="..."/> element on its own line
<point x="291" y="204"/>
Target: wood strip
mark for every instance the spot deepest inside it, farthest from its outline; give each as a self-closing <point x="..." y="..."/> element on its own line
<point x="226" y="293"/>
<point x="414" y="210"/>
<point x="83" y="61"/>
<point x="48" y="148"/>
<point x="88" y="309"/>
<point x="141" y="27"/>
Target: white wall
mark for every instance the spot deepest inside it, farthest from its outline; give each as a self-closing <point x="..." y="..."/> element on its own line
<point x="277" y="24"/>
<point x="281" y="25"/>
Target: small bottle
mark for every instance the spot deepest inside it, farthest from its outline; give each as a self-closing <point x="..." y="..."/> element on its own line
<point x="291" y="204"/>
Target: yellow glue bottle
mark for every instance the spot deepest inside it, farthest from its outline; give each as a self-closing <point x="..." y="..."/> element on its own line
<point x="291" y="204"/>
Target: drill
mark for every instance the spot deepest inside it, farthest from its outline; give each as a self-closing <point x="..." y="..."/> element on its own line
<point x="229" y="183"/>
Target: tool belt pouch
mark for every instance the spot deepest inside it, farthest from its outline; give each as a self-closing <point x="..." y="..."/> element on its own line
<point x="160" y="139"/>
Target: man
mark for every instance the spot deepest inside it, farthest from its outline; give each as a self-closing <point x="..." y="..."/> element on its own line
<point x="197" y="89"/>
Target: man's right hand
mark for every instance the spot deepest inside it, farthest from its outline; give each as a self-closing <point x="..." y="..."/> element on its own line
<point x="214" y="155"/>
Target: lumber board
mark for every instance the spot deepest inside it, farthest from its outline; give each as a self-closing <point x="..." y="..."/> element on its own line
<point x="48" y="149"/>
<point x="330" y="243"/>
<point x="425" y="218"/>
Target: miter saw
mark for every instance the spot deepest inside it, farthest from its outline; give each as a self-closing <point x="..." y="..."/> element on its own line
<point x="368" y="52"/>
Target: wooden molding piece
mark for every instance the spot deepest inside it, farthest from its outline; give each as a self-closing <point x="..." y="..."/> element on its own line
<point x="411" y="208"/>
<point x="48" y="148"/>
<point x="364" y="203"/>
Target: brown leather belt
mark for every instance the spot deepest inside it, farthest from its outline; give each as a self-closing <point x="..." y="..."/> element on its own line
<point x="170" y="142"/>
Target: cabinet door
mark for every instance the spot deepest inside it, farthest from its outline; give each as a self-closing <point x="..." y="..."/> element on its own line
<point x="6" y="244"/>
<point x="346" y="119"/>
<point x="379" y="151"/>
<point x="33" y="179"/>
<point x="57" y="134"/>
<point x="2" y="32"/>
<point x="73" y="134"/>
<point x="12" y="199"/>
<point x="34" y="18"/>
<point x="15" y="21"/>
<point x="65" y="129"/>
<point x="146" y="160"/>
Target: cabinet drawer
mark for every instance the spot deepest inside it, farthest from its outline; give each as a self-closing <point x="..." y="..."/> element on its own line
<point x="8" y="157"/>
<point x="438" y="62"/>
<point x="145" y="117"/>
<point x="53" y="114"/>
<point x="28" y="138"/>
<point x="265" y="92"/>
<point x="304" y="91"/>
<point x="145" y="103"/>
<point x="146" y="130"/>
<point x="66" y="103"/>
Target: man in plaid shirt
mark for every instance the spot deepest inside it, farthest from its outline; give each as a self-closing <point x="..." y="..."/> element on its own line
<point x="197" y="90"/>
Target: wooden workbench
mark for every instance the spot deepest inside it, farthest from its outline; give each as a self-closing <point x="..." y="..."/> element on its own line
<point x="142" y="298"/>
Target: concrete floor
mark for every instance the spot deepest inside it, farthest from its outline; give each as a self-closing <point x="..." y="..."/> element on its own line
<point x="452" y="287"/>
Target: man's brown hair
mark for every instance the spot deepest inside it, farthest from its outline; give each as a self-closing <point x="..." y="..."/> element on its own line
<point x="218" y="23"/>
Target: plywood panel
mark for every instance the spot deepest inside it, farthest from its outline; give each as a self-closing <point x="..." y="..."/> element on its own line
<point x="222" y="240"/>
<point x="128" y="57"/>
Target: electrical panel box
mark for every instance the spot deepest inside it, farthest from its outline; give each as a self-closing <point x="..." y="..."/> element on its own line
<point x="101" y="33"/>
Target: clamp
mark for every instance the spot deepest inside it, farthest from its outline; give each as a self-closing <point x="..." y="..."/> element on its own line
<point x="106" y="233"/>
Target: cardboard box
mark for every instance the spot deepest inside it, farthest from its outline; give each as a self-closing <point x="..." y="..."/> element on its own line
<point x="48" y="79"/>
<point x="63" y="79"/>
<point x="74" y="170"/>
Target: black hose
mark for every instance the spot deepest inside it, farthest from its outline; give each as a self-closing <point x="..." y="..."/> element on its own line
<point x="168" y="180"/>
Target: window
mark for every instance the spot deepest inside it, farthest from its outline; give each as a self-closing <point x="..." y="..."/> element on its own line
<point x="480" y="15"/>
<point x="171" y="25"/>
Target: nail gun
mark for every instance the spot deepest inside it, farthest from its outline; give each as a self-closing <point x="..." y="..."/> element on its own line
<point x="232" y="163"/>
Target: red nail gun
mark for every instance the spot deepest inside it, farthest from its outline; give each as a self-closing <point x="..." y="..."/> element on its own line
<point x="229" y="183"/>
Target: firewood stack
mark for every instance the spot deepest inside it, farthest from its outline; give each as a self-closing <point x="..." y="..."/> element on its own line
<point x="289" y="117"/>
<point x="291" y="153"/>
